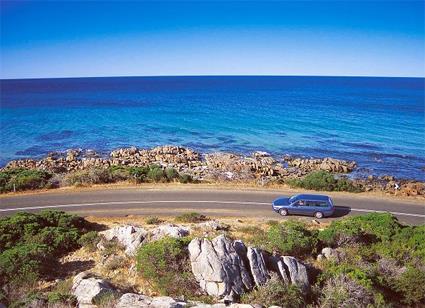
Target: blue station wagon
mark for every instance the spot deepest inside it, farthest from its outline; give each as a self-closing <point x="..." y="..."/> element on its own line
<point x="318" y="206"/>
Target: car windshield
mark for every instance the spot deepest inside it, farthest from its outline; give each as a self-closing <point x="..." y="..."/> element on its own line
<point x="292" y="199"/>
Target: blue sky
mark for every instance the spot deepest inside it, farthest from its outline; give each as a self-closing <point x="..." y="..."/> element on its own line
<point x="116" y="38"/>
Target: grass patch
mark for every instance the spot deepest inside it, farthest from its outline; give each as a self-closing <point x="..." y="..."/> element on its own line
<point x="153" y="220"/>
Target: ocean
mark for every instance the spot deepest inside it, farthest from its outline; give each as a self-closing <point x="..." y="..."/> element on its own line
<point x="378" y="122"/>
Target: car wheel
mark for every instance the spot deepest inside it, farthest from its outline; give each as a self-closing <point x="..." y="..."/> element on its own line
<point x="283" y="212"/>
<point x="318" y="215"/>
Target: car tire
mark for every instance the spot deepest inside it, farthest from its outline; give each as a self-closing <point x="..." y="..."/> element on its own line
<point x="283" y="212"/>
<point x="318" y="215"/>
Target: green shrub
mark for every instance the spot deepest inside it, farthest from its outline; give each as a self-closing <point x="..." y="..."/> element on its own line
<point x="411" y="286"/>
<point x="165" y="265"/>
<point x="139" y="173"/>
<point x="290" y="237"/>
<point x="191" y="217"/>
<point x="343" y="291"/>
<point x="323" y="180"/>
<point x="88" y="177"/>
<point x="171" y="174"/>
<point x="23" y="263"/>
<point x="156" y="174"/>
<point x="30" y="242"/>
<point x="23" y="179"/>
<point x="153" y="220"/>
<point x="185" y="178"/>
<point x="364" y="228"/>
<point x="61" y="294"/>
<point x="275" y="293"/>
<point x="89" y="240"/>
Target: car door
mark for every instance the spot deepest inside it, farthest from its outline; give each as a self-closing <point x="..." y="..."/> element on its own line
<point x="297" y="207"/>
<point x="310" y="207"/>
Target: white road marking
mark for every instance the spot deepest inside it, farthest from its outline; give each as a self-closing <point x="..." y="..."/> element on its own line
<point x="177" y="201"/>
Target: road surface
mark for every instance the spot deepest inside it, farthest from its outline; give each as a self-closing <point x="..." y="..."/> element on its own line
<point x="169" y="202"/>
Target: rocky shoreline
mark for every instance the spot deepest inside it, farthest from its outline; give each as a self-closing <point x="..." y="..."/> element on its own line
<point x="259" y="167"/>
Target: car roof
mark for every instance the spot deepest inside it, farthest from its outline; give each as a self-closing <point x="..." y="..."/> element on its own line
<point x="312" y="197"/>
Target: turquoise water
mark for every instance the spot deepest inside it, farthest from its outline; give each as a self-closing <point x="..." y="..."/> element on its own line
<point x="379" y="122"/>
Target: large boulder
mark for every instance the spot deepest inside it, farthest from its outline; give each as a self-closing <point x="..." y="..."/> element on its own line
<point x="218" y="268"/>
<point x="132" y="300"/>
<point x="257" y="266"/>
<point x="87" y="289"/>
<point x="168" y="230"/>
<point x="294" y="272"/>
<point x="130" y="237"/>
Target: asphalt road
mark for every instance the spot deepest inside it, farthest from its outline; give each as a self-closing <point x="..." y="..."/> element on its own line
<point x="168" y="202"/>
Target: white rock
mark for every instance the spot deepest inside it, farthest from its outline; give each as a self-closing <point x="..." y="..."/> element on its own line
<point x="213" y="225"/>
<point x="168" y="230"/>
<point x="86" y="289"/>
<point x="132" y="300"/>
<point x="297" y="272"/>
<point x="258" y="266"/>
<point x="330" y="253"/>
<point x="130" y="237"/>
<point x="218" y="268"/>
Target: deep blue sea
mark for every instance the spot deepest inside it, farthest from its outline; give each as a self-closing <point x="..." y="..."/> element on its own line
<point x="379" y="122"/>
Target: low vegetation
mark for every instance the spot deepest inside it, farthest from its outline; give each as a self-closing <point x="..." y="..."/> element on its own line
<point x="192" y="217"/>
<point x="165" y="265"/>
<point x="380" y="263"/>
<point x="30" y="245"/>
<point x="23" y="179"/>
<point x="275" y="293"/>
<point x="28" y="179"/>
<point x="323" y="180"/>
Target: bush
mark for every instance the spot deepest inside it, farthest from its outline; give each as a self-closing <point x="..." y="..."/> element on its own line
<point x="88" y="177"/>
<point x="156" y="174"/>
<point x="366" y="228"/>
<point x="61" y="294"/>
<point x="323" y="180"/>
<point x="165" y="265"/>
<point x="291" y="238"/>
<point x="185" y="178"/>
<point x="153" y="220"/>
<point x="411" y="286"/>
<point x="89" y="240"/>
<point x="192" y="217"/>
<point x="275" y="293"/>
<point x="343" y="291"/>
<point x="23" y="179"/>
<point x="30" y="242"/>
<point x="171" y="174"/>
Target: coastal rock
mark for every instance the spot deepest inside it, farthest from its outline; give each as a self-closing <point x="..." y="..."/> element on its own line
<point x="132" y="300"/>
<point x="326" y="164"/>
<point x="218" y="268"/>
<point x="130" y="237"/>
<point x="168" y="230"/>
<point x="87" y="289"/>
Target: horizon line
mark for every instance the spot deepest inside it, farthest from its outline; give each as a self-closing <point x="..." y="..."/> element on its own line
<point x="206" y="75"/>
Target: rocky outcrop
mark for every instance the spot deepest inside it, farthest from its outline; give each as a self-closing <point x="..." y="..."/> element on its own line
<point x="228" y="268"/>
<point x="130" y="237"/>
<point x="168" y="230"/>
<point x="218" y="268"/>
<point x="87" y="289"/>
<point x="132" y="300"/>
